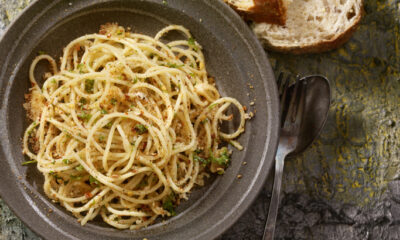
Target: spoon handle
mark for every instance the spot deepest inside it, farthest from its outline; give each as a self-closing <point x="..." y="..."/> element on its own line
<point x="269" y="230"/>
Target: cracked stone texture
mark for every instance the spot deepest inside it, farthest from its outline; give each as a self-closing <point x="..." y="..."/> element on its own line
<point x="347" y="184"/>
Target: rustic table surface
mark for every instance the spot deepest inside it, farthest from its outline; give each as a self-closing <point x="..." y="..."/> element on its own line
<point x="347" y="184"/>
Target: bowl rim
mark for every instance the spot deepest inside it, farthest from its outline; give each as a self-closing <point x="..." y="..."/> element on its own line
<point x="266" y="160"/>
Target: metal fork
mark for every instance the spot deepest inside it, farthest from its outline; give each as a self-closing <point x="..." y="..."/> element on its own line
<point x="289" y="133"/>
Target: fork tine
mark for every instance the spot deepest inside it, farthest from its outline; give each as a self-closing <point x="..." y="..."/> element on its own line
<point x="279" y="82"/>
<point x="283" y="92"/>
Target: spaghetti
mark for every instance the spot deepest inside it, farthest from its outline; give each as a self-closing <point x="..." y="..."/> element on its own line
<point x="127" y="126"/>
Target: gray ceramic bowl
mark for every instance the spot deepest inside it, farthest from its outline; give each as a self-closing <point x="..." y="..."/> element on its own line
<point x="234" y="58"/>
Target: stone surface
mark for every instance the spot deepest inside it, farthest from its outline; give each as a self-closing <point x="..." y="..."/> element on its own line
<point x="346" y="185"/>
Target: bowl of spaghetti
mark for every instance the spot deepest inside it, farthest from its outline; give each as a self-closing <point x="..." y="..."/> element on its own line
<point x="138" y="119"/>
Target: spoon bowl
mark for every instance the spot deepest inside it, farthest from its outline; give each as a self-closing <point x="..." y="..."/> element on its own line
<point x="317" y="104"/>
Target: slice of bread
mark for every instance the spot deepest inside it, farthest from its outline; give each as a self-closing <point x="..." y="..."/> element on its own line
<point x="312" y="26"/>
<point x="270" y="11"/>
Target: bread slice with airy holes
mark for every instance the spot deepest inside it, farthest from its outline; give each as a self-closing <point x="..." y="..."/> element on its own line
<point x="312" y="26"/>
<point x="270" y="11"/>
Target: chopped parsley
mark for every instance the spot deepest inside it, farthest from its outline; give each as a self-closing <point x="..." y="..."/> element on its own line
<point x="66" y="161"/>
<point x="79" y="168"/>
<point x="140" y="129"/>
<point x="81" y="67"/>
<point x="173" y="65"/>
<point x="85" y="116"/>
<point x="83" y="101"/>
<point x="212" y="106"/>
<point x="93" y="180"/>
<point x="34" y="124"/>
<point x="223" y="159"/>
<point x="135" y="80"/>
<point x="28" y="162"/>
<point x="113" y="101"/>
<point x="199" y="159"/>
<point x="192" y="43"/>
<point x="108" y="125"/>
<point x="103" y="111"/>
<point x="73" y="177"/>
<point x="89" y="83"/>
<point x="101" y="138"/>
<point x="168" y="204"/>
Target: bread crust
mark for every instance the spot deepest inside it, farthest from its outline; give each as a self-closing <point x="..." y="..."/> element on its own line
<point x="270" y="11"/>
<point x="323" y="46"/>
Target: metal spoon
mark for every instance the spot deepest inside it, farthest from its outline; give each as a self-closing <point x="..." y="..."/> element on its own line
<point x="316" y="106"/>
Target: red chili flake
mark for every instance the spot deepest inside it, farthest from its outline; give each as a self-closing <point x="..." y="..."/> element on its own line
<point x="143" y="146"/>
<point x="244" y="108"/>
<point x="88" y="195"/>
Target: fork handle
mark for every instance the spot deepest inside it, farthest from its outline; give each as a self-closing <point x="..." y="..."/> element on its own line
<point x="269" y="230"/>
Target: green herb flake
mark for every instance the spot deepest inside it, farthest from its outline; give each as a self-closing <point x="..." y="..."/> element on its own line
<point x="41" y="53"/>
<point x="81" y="67"/>
<point x="89" y="84"/>
<point x="192" y="43"/>
<point x="79" y="168"/>
<point x="168" y="204"/>
<point x="103" y="111"/>
<point x="113" y="101"/>
<point x="66" y="161"/>
<point x="73" y="177"/>
<point x="93" y="180"/>
<point x="83" y="101"/>
<point x="173" y="65"/>
<point x="223" y="159"/>
<point x="101" y="138"/>
<point x="212" y="106"/>
<point x="85" y="116"/>
<point x="34" y="124"/>
<point x="28" y="162"/>
<point x="108" y="125"/>
<point x="164" y="2"/>
<point x="140" y="129"/>
<point x="135" y="80"/>
<point x="199" y="159"/>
